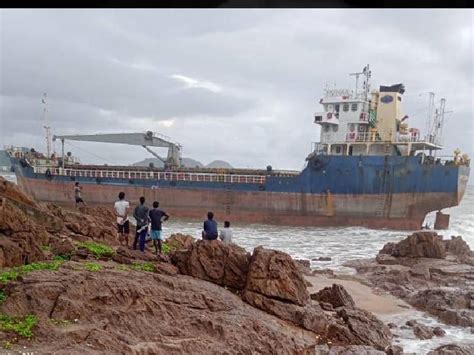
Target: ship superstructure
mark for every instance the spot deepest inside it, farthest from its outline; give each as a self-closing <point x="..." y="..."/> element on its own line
<point x="369" y="169"/>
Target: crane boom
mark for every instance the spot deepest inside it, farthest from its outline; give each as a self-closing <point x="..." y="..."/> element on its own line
<point x="145" y="140"/>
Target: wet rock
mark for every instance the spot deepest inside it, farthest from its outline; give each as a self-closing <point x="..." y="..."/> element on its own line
<point x="222" y="264"/>
<point x="453" y="349"/>
<point x="345" y="350"/>
<point x="322" y="272"/>
<point x="392" y="325"/>
<point x="322" y="258"/>
<point x="422" y="332"/>
<point x="449" y="304"/>
<point x="359" y="327"/>
<point x="411" y="322"/>
<point x="124" y="255"/>
<point x="420" y="244"/>
<point x="326" y="306"/>
<point x="303" y="262"/>
<point x="274" y="274"/>
<point x="439" y="332"/>
<point x="394" y="350"/>
<point x="336" y="295"/>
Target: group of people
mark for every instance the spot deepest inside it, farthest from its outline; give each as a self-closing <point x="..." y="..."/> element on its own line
<point x="145" y="218"/>
<point x="149" y="221"/>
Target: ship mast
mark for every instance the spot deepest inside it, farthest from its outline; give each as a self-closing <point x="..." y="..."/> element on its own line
<point x="46" y="127"/>
<point x="366" y="85"/>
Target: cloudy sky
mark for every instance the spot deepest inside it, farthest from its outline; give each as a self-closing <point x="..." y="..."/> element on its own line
<point x="236" y="85"/>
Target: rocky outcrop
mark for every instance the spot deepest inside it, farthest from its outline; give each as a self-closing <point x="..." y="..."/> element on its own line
<point x="115" y="312"/>
<point x="453" y="349"/>
<point x="430" y="273"/>
<point x="357" y="326"/>
<point x="274" y="274"/>
<point x="225" y="265"/>
<point x="419" y="244"/>
<point x="336" y="295"/>
<point x="180" y="241"/>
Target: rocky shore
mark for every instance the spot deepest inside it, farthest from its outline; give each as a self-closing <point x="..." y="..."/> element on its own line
<point x="66" y="286"/>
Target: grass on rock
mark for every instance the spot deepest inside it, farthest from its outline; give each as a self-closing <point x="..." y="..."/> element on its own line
<point x="13" y="273"/>
<point x="143" y="267"/>
<point x="23" y="326"/>
<point x="93" y="267"/>
<point x="97" y="249"/>
<point x="3" y="297"/>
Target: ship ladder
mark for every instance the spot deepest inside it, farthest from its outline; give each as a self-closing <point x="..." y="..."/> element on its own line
<point x="380" y="208"/>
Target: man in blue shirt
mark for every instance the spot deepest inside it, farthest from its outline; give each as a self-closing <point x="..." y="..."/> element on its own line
<point x="210" y="228"/>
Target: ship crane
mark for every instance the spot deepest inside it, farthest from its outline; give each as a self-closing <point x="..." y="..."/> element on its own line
<point x="146" y="140"/>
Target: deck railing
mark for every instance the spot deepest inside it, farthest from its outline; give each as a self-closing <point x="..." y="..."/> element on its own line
<point x="152" y="175"/>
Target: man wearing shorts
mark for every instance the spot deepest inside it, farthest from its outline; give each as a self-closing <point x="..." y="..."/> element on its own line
<point x="123" y="225"/>
<point x="77" y="194"/>
<point x="156" y="216"/>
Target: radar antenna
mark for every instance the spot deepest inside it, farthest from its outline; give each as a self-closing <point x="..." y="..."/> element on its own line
<point x="366" y="83"/>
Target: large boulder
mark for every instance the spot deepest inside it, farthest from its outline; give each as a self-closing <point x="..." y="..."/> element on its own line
<point x="211" y="260"/>
<point x="180" y="241"/>
<point x="336" y="295"/>
<point x="420" y="244"/>
<point x="359" y="327"/>
<point x="457" y="246"/>
<point x="274" y="274"/>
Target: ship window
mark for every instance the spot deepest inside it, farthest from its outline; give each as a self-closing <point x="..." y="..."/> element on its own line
<point x="336" y="107"/>
<point x="338" y="150"/>
<point x="335" y="128"/>
<point x="345" y="107"/>
<point x="326" y="128"/>
<point x="354" y="107"/>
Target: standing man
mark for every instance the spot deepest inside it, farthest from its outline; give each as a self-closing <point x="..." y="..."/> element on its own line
<point x="121" y="212"/>
<point x="77" y="194"/>
<point x="226" y="233"/>
<point x="141" y="216"/>
<point x="210" y="228"/>
<point x="156" y="216"/>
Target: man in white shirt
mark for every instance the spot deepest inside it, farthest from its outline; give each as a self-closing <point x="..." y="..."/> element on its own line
<point x="123" y="225"/>
<point x="226" y="233"/>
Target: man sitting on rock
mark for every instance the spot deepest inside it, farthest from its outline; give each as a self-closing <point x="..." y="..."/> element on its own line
<point x="226" y="233"/>
<point x="123" y="225"/>
<point x="210" y="228"/>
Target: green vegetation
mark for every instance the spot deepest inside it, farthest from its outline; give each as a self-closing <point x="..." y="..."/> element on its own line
<point x="45" y="248"/>
<point x="93" y="266"/>
<point x="62" y="257"/>
<point x="22" y="326"/>
<point x="99" y="250"/>
<point x="3" y="297"/>
<point x="167" y="248"/>
<point x="143" y="267"/>
<point x="13" y="273"/>
<point x="56" y="321"/>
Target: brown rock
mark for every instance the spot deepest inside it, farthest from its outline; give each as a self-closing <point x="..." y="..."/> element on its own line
<point x="422" y="332"/>
<point x="274" y="274"/>
<point x="453" y="349"/>
<point x="303" y="262"/>
<point x="420" y="244"/>
<point x="457" y="246"/>
<point x="359" y="327"/>
<point x="336" y="295"/>
<point x="439" y="332"/>
<point x="394" y="350"/>
<point x="124" y="255"/>
<point x="180" y="241"/>
<point x="119" y="312"/>
<point x="222" y="264"/>
<point x="62" y="246"/>
<point x="309" y="317"/>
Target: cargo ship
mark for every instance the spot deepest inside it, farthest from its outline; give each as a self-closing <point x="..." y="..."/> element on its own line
<point x="368" y="169"/>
